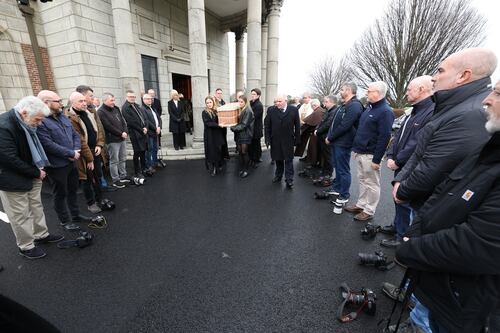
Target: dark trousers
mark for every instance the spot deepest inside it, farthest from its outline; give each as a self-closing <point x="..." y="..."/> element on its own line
<point x="402" y="219"/>
<point x="65" y="185"/>
<point x="91" y="186"/>
<point x="255" y="150"/>
<point x="139" y="159"/>
<point x="326" y="164"/>
<point x="340" y="161"/>
<point x="179" y="140"/>
<point x="225" y="150"/>
<point x="287" y="167"/>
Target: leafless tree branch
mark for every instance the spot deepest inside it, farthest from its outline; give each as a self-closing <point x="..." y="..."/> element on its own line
<point x="411" y="39"/>
<point x="328" y="75"/>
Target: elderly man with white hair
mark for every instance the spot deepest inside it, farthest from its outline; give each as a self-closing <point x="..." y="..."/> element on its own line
<point x="282" y="133"/>
<point x="369" y="145"/>
<point x="22" y="163"/>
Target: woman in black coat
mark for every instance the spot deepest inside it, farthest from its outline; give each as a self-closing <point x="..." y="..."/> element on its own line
<point x="243" y="134"/>
<point x="177" y="123"/>
<point x="212" y="137"/>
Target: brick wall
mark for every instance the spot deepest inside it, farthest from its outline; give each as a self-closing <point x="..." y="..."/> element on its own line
<point x="34" y="75"/>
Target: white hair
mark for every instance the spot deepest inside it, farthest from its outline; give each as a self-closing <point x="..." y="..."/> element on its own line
<point x="315" y="101"/>
<point x="33" y="105"/>
<point x="380" y="86"/>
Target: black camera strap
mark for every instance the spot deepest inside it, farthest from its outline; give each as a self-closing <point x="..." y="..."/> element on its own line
<point x="409" y="282"/>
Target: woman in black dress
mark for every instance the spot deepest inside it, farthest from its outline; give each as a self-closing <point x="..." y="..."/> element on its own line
<point x="212" y="137"/>
<point x="244" y="134"/>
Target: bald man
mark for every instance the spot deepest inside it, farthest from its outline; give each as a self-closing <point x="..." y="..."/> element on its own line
<point x="456" y="132"/>
<point x="418" y="94"/>
<point x="62" y="145"/>
<point x="86" y="125"/>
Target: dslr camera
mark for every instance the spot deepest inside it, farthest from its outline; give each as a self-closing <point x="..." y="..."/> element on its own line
<point x="138" y="181"/>
<point x="378" y="260"/>
<point x="370" y="231"/>
<point x="107" y="204"/>
<point x="364" y="300"/>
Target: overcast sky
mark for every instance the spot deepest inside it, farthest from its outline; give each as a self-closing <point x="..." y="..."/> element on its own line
<point x="310" y="30"/>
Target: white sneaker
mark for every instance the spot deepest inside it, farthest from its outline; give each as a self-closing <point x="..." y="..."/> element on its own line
<point x="341" y="200"/>
<point x="332" y="192"/>
<point x="94" y="208"/>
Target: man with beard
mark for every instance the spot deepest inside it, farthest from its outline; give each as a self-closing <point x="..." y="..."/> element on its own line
<point x="62" y="145"/>
<point x="453" y="248"/>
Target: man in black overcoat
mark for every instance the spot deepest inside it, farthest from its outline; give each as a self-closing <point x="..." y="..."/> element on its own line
<point x="258" y="110"/>
<point x="282" y="133"/>
<point x="137" y="123"/>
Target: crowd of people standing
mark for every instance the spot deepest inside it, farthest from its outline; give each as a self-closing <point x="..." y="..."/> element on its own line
<point x="444" y="157"/>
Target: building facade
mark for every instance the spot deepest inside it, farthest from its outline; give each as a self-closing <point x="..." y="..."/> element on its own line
<point x="115" y="45"/>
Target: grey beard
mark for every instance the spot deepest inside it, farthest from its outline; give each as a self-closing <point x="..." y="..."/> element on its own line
<point x="493" y="125"/>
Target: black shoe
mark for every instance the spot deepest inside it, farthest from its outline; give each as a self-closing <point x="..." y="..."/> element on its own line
<point x="388" y="230"/>
<point x="289" y="184"/>
<point x="108" y="189"/>
<point x="49" y="239"/>
<point x="277" y="179"/>
<point x="244" y="174"/>
<point x="82" y="218"/>
<point x="182" y="148"/>
<point x="392" y="243"/>
<point x="118" y="185"/>
<point x="34" y="253"/>
<point x="70" y="227"/>
<point x="176" y="148"/>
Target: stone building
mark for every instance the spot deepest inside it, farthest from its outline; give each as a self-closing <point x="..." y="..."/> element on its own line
<point x="115" y="45"/>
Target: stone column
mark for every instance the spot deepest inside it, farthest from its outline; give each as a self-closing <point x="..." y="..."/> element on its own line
<point x="199" y="66"/>
<point x="254" y="35"/>
<point x="273" y="51"/>
<point x="263" y="81"/>
<point x="239" y="34"/>
<point x="125" y="45"/>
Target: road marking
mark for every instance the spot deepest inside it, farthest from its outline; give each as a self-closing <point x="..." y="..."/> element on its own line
<point x="4" y="217"/>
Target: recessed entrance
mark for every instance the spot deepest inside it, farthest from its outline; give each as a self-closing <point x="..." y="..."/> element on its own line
<point x="182" y="83"/>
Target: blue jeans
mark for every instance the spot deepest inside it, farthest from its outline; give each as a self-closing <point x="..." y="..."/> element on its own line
<point x="402" y="219"/>
<point x="420" y="316"/>
<point x="152" y="152"/>
<point x="340" y="161"/>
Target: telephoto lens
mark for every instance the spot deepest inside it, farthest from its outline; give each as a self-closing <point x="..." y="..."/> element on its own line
<point x="378" y="260"/>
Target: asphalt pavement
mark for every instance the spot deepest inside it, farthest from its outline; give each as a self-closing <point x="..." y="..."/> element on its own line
<point x="188" y="252"/>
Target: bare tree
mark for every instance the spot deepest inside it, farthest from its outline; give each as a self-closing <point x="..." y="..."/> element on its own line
<point x="328" y="75"/>
<point x="411" y="39"/>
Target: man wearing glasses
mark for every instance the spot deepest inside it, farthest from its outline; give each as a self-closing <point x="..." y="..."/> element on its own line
<point x="62" y="146"/>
